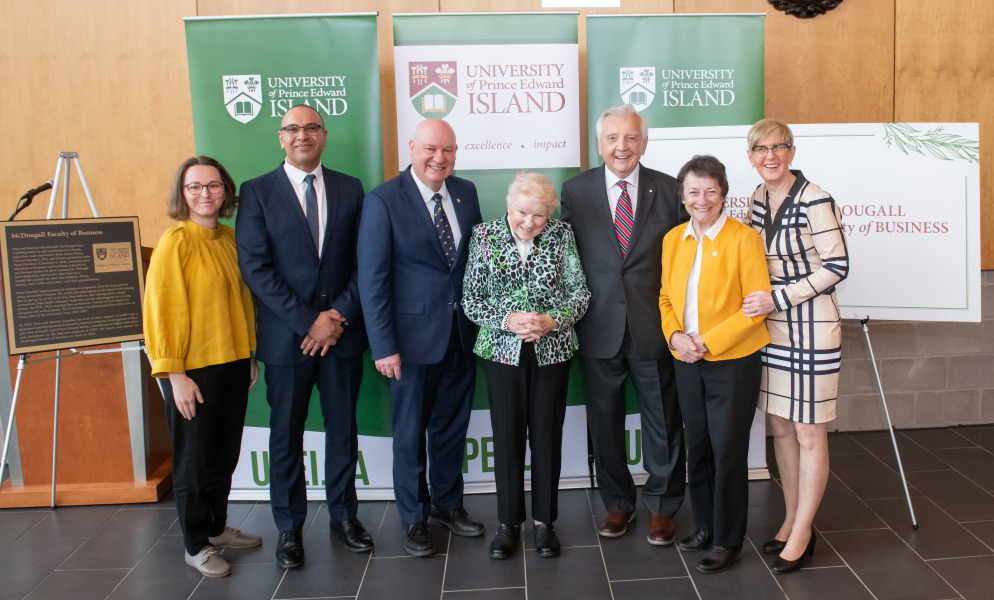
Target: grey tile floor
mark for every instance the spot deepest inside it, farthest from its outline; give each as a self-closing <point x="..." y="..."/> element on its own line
<point x="866" y="549"/>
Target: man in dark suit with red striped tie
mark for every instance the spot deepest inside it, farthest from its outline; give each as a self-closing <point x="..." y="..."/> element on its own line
<point x="619" y="213"/>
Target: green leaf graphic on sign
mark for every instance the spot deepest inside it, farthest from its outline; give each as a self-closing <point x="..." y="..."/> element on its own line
<point x="944" y="146"/>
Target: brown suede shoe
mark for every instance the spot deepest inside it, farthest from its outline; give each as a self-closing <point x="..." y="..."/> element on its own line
<point x="615" y="524"/>
<point x="661" y="531"/>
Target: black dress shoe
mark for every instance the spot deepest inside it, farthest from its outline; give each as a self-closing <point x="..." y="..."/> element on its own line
<point x="773" y="546"/>
<point x="781" y="565"/>
<point x="417" y="540"/>
<point x="699" y="540"/>
<point x="353" y="534"/>
<point x="458" y="521"/>
<point x="546" y="540"/>
<point x="289" y="550"/>
<point x="718" y="559"/>
<point x="505" y="541"/>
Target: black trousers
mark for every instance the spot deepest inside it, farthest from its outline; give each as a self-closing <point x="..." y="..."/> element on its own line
<point x="527" y="404"/>
<point x="718" y="401"/>
<point x="431" y="408"/>
<point x="206" y="448"/>
<point x="605" y="383"/>
<point x="288" y="392"/>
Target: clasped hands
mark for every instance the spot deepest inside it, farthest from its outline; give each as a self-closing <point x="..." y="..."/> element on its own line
<point x="323" y="333"/>
<point x="529" y="327"/>
<point x="690" y="348"/>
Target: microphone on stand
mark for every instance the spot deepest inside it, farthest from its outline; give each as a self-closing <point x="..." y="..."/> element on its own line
<point x="25" y="200"/>
<point x="28" y="195"/>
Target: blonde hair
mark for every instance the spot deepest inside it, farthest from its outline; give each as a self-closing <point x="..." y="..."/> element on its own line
<point x="769" y="127"/>
<point x="533" y="186"/>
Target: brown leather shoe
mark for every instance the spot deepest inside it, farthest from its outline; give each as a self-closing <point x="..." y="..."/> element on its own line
<point x="661" y="530"/>
<point x="615" y="524"/>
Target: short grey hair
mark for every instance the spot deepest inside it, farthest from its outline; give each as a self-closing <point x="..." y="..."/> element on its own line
<point x="534" y="186"/>
<point x="626" y="110"/>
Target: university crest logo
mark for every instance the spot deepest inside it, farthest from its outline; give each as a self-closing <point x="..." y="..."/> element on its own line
<point x="102" y="253"/>
<point x="242" y="96"/>
<point x="638" y="86"/>
<point x="433" y="87"/>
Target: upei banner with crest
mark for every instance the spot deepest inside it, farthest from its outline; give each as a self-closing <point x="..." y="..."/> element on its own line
<point x="508" y="83"/>
<point x="678" y="71"/>
<point x="245" y="73"/>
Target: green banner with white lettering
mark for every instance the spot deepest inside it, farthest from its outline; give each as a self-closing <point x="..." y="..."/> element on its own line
<point x="245" y="72"/>
<point x="677" y="70"/>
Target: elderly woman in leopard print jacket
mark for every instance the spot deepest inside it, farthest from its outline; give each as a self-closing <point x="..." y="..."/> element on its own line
<point x="525" y="288"/>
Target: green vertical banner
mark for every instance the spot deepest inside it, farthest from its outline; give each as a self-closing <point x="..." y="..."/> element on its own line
<point x="245" y="73"/>
<point x="509" y="85"/>
<point x="677" y="71"/>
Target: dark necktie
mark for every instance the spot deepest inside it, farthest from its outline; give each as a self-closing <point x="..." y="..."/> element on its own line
<point x="624" y="219"/>
<point x="311" y="211"/>
<point x="443" y="229"/>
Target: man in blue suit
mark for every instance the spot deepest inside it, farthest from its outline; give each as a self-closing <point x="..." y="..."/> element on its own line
<point x="413" y="242"/>
<point x="296" y="237"/>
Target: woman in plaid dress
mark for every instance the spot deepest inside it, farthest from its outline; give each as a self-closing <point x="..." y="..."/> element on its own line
<point x="807" y="257"/>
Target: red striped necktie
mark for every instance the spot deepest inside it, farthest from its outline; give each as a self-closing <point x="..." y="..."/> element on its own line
<point x="624" y="218"/>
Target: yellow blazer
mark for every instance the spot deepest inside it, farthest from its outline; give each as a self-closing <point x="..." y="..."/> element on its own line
<point x="732" y="266"/>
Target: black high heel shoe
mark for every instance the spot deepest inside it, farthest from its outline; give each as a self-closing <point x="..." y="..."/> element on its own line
<point x="782" y="565"/>
<point x="773" y="546"/>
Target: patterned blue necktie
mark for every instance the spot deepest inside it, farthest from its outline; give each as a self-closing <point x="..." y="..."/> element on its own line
<point x="311" y="211"/>
<point x="443" y="229"/>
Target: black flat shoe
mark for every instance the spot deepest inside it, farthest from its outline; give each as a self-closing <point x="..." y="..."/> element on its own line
<point x="773" y="546"/>
<point x="546" y="540"/>
<point x="782" y="565"/>
<point x="353" y="535"/>
<point x="289" y="550"/>
<point x="718" y="559"/>
<point x="505" y="540"/>
<point x="417" y="540"/>
<point x="699" y="540"/>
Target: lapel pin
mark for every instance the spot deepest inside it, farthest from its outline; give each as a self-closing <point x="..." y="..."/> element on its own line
<point x="715" y="253"/>
<point x="458" y="200"/>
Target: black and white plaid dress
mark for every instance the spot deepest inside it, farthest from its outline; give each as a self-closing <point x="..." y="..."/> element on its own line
<point x="807" y="256"/>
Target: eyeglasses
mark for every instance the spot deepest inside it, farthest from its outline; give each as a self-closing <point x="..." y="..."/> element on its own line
<point x="778" y="149"/>
<point x="212" y="187"/>
<point x="309" y="129"/>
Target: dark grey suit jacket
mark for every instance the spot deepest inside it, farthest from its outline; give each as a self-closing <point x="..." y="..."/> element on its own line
<point x="622" y="288"/>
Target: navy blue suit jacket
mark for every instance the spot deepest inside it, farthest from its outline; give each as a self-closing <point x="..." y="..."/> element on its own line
<point x="408" y="291"/>
<point x="280" y="264"/>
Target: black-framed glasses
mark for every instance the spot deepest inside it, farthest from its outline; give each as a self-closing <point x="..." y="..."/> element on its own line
<point x="213" y="187"/>
<point x="309" y="129"/>
<point x="778" y="149"/>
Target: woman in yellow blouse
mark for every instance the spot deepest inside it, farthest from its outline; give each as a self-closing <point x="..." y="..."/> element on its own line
<point x="200" y="334"/>
<point x="709" y="265"/>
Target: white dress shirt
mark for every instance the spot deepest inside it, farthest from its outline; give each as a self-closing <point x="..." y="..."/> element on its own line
<point x="300" y="187"/>
<point x="690" y="312"/>
<point x="450" y="211"/>
<point x="614" y="190"/>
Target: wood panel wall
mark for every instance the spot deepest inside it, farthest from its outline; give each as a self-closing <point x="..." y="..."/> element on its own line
<point x="109" y="80"/>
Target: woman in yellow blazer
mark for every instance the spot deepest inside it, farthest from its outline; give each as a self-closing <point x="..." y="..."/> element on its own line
<point x="709" y="266"/>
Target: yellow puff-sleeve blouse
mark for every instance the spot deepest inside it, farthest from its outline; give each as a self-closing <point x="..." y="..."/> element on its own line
<point x="197" y="310"/>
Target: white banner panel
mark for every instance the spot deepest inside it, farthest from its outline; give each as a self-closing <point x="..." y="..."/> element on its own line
<point x="910" y="199"/>
<point x="513" y="106"/>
